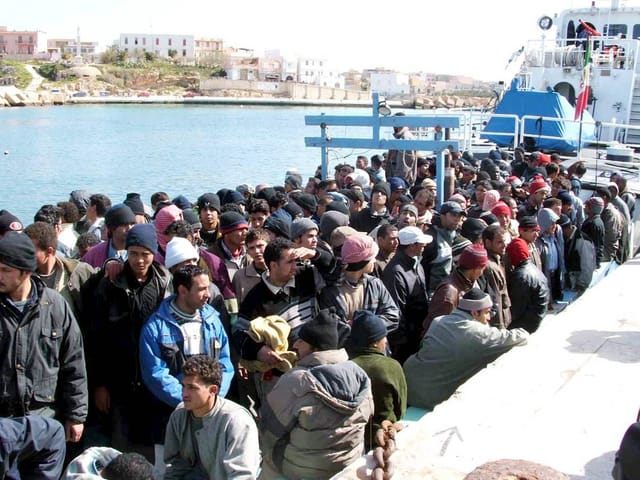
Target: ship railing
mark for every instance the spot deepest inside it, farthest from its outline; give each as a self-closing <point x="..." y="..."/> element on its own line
<point x="512" y="136"/>
<point x="606" y="52"/>
<point x="471" y="123"/>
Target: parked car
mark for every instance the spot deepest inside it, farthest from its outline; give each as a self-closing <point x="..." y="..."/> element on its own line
<point x="104" y="93"/>
<point x="80" y="94"/>
<point x="189" y="95"/>
<point x="144" y="94"/>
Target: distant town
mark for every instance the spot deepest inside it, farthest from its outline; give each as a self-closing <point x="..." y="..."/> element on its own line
<point x="236" y="64"/>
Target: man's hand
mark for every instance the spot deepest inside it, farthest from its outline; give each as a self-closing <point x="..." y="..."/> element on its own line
<point x="73" y="431"/>
<point x="103" y="399"/>
<point x="303" y="253"/>
<point x="112" y="269"/>
<point x="268" y="356"/>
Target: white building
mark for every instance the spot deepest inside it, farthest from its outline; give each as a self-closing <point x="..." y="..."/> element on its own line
<point x="390" y="83"/>
<point x="289" y="64"/>
<point x="317" y="71"/>
<point x="164" y="46"/>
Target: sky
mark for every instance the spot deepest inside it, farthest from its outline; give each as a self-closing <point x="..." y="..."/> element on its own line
<point x="461" y="37"/>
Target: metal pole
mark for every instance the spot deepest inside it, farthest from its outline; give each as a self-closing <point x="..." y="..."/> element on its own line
<point x="324" y="153"/>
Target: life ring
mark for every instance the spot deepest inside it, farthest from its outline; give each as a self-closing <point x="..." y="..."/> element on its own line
<point x="589" y="29"/>
<point x="545" y="22"/>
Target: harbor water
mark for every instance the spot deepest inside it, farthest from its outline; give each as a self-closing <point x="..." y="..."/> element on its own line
<point x="188" y="150"/>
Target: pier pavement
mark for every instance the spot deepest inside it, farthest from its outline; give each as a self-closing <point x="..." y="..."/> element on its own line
<point x="564" y="400"/>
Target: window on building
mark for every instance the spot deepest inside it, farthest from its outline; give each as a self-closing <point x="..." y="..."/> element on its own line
<point x="169" y="42"/>
<point x="184" y="53"/>
<point x="135" y="42"/>
<point x="126" y="40"/>
<point x="30" y="39"/>
<point x="184" y="42"/>
<point x="144" y="41"/>
<point x="636" y="31"/>
<point x="157" y="41"/>
<point x="19" y="38"/>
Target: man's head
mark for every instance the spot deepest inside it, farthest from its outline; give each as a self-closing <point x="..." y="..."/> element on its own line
<point x="380" y="194"/>
<point x="191" y="285"/>
<point x="304" y="232"/>
<point x="44" y="241"/>
<point x="547" y="219"/>
<point x="99" y="204"/>
<point x="494" y="239"/>
<point x="503" y="213"/>
<point x="472" y="229"/>
<point x="201" y="380"/>
<point x="208" y="210"/>
<point x="9" y="223"/>
<point x="473" y="261"/>
<point x="233" y="227"/>
<point x="529" y="229"/>
<point x="180" y="252"/>
<point x="387" y="237"/>
<point x="128" y="466"/>
<point x="280" y="258"/>
<point x="538" y="191"/>
<point x="451" y="214"/>
<point x="142" y="245"/>
<point x="359" y="252"/>
<point x="412" y="241"/>
<point x="50" y="214"/>
<point x="257" y="240"/>
<point x="118" y="220"/>
<point x="362" y="162"/>
<point x="258" y="212"/>
<point x="70" y="212"/>
<point x="478" y="304"/>
<point x="17" y="262"/>
<point x="86" y="242"/>
<point x="408" y="216"/>
<point x="368" y="331"/>
<point x="517" y="251"/>
<point x="318" y="334"/>
<point x="159" y="200"/>
<point x="594" y="206"/>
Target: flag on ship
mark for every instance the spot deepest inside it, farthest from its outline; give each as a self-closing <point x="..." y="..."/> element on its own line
<point x="583" y="97"/>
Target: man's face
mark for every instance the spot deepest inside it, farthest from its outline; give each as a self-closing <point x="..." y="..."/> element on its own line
<point x="198" y="295"/>
<point x="467" y="176"/>
<point x="566" y="208"/>
<point x="308" y="239"/>
<point x="310" y="187"/>
<point x="256" y="250"/>
<point x="11" y="278"/>
<point x="529" y="235"/>
<point x="480" y="193"/>
<point x="119" y="234"/>
<point x="139" y="259"/>
<point x="407" y="218"/>
<point x="504" y="220"/>
<point x="378" y="199"/>
<point x="450" y="220"/>
<point x="475" y="273"/>
<point x="482" y="316"/>
<point x="302" y="348"/>
<point x="257" y="219"/>
<point x="361" y="163"/>
<point x="42" y="256"/>
<point x="190" y="261"/>
<point x="421" y="199"/>
<point x="538" y="197"/>
<point x="209" y="218"/>
<point x="235" y="238"/>
<point x="498" y="245"/>
<point x="285" y="268"/>
<point x="196" y="395"/>
<point x="389" y="242"/>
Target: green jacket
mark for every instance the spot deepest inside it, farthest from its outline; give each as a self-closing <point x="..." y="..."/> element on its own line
<point x="389" y="388"/>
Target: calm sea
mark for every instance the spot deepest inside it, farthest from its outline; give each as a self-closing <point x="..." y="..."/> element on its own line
<point x="189" y="150"/>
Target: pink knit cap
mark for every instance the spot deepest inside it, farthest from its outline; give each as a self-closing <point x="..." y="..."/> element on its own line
<point x="164" y="218"/>
<point x="501" y="208"/>
<point x="473" y="256"/>
<point x="490" y="200"/>
<point x="538" y="183"/>
<point x="359" y="248"/>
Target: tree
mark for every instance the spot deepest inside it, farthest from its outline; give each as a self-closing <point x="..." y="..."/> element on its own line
<point x="110" y="55"/>
<point x="150" y="56"/>
<point x="173" y="53"/>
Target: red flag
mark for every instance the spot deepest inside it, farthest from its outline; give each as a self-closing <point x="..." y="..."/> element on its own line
<point x="583" y="97"/>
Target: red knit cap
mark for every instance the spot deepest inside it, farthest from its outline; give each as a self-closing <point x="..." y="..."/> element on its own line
<point x="518" y="251"/>
<point x="473" y="256"/>
<point x="501" y="208"/>
<point x="544" y="159"/>
<point x="536" y="184"/>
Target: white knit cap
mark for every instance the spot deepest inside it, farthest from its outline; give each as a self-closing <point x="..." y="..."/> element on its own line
<point x="178" y="250"/>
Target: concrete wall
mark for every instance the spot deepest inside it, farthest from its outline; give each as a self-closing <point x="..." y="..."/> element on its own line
<point x="292" y="90"/>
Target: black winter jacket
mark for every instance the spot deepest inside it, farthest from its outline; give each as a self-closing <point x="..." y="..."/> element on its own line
<point x="529" y="294"/>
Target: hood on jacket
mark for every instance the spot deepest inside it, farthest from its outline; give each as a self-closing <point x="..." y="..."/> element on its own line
<point x="546" y="218"/>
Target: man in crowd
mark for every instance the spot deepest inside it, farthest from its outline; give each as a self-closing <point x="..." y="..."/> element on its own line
<point x="40" y="341"/>
<point x="438" y="368"/>
<point x="118" y="220"/>
<point x="494" y="277"/>
<point x="209" y="436"/>
<point x="312" y="422"/>
<point x="387" y="239"/>
<point x="231" y="246"/>
<point x="208" y="211"/>
<point x="376" y="212"/>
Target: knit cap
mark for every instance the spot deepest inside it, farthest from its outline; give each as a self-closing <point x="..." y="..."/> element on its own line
<point x="321" y="332"/>
<point x="330" y="221"/>
<point x="474" y="300"/>
<point x="293" y="210"/>
<point x="382" y="187"/>
<point x="366" y="328"/>
<point x="565" y="197"/>
<point x="233" y="196"/>
<point x="179" y="250"/>
<point x="191" y="217"/>
<point x="501" y="208"/>
<point x="528" y="222"/>
<point x="359" y="248"/>
<point x="339" y="235"/>
<point x="564" y="221"/>
<point x="9" y="222"/>
<point x="307" y="202"/>
<point x="81" y="199"/>
<point x="209" y="200"/>
<point x="181" y="202"/>
<point x="134" y="202"/>
<point x="143" y="235"/>
<point x="474" y="256"/>
<point x="472" y="228"/>
<point x="538" y="183"/>
<point x="165" y="217"/>
<point x="301" y="225"/>
<point x="397" y="183"/>
<point x="338" y="206"/>
<point x="517" y="251"/>
<point x="429" y="184"/>
<point x="595" y="205"/>
<point x="230" y="221"/>
<point x="490" y="199"/>
<point x="546" y="218"/>
<point x="119" y="214"/>
<point x="278" y="226"/>
<point x="409" y="207"/>
<point x="17" y="251"/>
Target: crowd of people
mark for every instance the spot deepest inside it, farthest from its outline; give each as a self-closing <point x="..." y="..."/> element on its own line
<point x="268" y="331"/>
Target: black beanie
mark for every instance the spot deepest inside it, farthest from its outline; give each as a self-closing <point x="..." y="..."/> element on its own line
<point x="9" y="222"/>
<point x="321" y="332"/>
<point x="307" y="201"/>
<point x="209" y="200"/>
<point x="134" y="202"/>
<point x="382" y="187"/>
<point x="366" y="328"/>
<point x="143" y="235"/>
<point x="17" y="251"/>
<point x="277" y="225"/>
<point x="119" y="214"/>
<point x="337" y="206"/>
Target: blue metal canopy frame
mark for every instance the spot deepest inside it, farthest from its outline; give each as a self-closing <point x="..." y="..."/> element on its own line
<point x="375" y="122"/>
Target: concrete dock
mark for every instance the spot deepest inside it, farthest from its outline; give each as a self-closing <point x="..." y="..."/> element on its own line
<point x="564" y="400"/>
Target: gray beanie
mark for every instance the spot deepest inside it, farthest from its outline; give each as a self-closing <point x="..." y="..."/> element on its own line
<point x="300" y="226"/>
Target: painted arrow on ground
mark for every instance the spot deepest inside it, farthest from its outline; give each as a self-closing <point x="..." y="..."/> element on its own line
<point x="450" y="433"/>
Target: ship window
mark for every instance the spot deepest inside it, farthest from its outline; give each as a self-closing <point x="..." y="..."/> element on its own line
<point x="636" y="31"/>
<point x="613" y="29"/>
